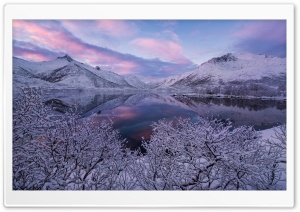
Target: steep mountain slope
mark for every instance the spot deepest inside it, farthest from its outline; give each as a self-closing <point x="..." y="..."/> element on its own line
<point x="67" y="72"/>
<point x="229" y="68"/>
<point x="136" y="82"/>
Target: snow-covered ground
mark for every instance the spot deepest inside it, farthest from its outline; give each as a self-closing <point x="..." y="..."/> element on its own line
<point x="231" y="67"/>
<point x="269" y="133"/>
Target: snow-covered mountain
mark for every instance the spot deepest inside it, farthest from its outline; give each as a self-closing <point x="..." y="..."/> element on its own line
<point x="135" y="82"/>
<point x="233" y="74"/>
<point x="239" y="67"/>
<point x="66" y="72"/>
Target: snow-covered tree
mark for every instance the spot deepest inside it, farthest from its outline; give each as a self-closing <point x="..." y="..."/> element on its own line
<point x="30" y="119"/>
<point x="64" y="152"/>
<point x="276" y="147"/>
<point x="183" y="155"/>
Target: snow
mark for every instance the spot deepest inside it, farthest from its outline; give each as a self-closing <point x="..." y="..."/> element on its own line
<point x="39" y="67"/>
<point x="108" y="75"/>
<point x="268" y="133"/>
<point x="247" y="66"/>
<point x="73" y="74"/>
<point x="135" y="82"/>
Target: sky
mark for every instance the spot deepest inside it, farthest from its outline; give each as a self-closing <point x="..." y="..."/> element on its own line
<point x="149" y="49"/>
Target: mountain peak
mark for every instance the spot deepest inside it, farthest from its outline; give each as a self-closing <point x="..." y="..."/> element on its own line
<point x="17" y="58"/>
<point x="225" y="58"/>
<point x="66" y="57"/>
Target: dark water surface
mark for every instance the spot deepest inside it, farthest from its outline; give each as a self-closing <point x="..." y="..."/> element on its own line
<point x="133" y="114"/>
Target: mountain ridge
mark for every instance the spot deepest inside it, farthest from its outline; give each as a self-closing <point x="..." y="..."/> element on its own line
<point x="65" y="71"/>
<point x="228" y="68"/>
<point x="232" y="71"/>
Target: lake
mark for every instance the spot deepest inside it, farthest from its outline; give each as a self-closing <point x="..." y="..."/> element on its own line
<point x="133" y="114"/>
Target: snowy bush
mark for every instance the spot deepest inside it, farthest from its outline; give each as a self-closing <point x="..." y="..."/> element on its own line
<point x="64" y="153"/>
<point x="182" y="155"/>
<point x="276" y="147"/>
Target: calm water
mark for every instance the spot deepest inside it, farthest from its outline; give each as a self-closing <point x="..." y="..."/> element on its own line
<point x="133" y="114"/>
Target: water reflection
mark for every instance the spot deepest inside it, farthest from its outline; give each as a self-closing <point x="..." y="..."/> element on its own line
<point x="250" y="104"/>
<point x="133" y="114"/>
<point x="134" y="122"/>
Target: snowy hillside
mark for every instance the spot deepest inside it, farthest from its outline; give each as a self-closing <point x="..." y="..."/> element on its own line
<point x="135" y="82"/>
<point x="239" y="67"/>
<point x="68" y="73"/>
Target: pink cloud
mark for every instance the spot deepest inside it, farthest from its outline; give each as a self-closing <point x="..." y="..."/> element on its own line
<point x="128" y="64"/>
<point x="125" y="67"/>
<point x="57" y="39"/>
<point x="101" y="32"/>
<point x="30" y="29"/>
<point x="45" y="40"/>
<point x="94" y="56"/>
<point x="49" y="37"/>
<point x="33" y="56"/>
<point x="36" y="56"/>
<point x="264" y="30"/>
<point x="167" y="50"/>
<point x="116" y="28"/>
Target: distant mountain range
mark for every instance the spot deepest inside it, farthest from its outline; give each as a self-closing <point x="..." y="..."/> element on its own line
<point x="66" y="72"/>
<point x="235" y="70"/>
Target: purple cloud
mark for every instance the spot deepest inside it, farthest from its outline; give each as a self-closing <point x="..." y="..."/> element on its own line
<point x="50" y="38"/>
<point x="262" y="37"/>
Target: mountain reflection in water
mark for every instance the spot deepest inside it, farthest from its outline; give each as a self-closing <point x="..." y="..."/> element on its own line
<point x="133" y="114"/>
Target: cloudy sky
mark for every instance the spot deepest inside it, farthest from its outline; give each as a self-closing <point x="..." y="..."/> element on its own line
<point x="148" y="49"/>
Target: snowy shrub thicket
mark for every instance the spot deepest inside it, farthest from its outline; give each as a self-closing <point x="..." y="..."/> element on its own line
<point x="63" y="152"/>
<point x="182" y="155"/>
